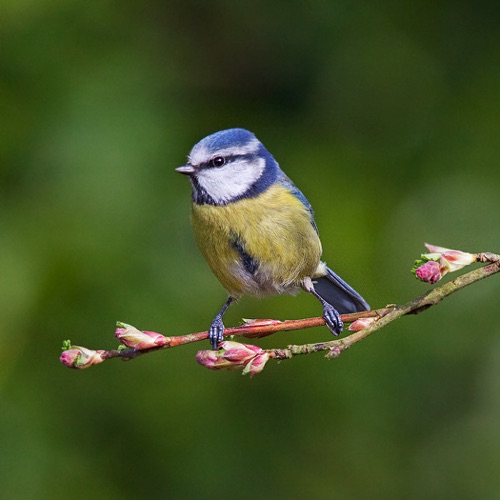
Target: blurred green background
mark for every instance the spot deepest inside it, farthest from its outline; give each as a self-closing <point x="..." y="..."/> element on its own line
<point x="386" y="114"/>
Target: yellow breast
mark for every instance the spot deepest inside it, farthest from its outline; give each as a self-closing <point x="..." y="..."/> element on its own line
<point x="275" y="230"/>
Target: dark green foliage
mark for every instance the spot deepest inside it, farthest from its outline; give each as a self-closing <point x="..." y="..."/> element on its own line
<point x="385" y="114"/>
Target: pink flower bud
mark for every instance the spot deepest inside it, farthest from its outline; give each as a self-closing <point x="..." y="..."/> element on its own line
<point x="237" y="352"/>
<point x="430" y="272"/>
<point x="256" y="365"/>
<point x="81" y="357"/>
<point x="214" y="360"/>
<point x="451" y="260"/>
<point x="260" y="322"/>
<point x="361" y="324"/>
<point x="431" y="267"/>
<point x="233" y="355"/>
<point x="136" y="339"/>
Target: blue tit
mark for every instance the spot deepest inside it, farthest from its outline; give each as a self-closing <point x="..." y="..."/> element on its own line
<point x="256" y="229"/>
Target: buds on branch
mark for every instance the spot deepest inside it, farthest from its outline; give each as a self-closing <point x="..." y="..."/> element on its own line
<point x="431" y="267"/>
<point x="251" y="359"/>
<point x="233" y="356"/>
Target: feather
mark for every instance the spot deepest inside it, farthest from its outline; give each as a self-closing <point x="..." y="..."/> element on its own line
<point x="339" y="294"/>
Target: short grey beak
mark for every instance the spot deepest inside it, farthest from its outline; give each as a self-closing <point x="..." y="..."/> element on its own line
<point x="185" y="169"/>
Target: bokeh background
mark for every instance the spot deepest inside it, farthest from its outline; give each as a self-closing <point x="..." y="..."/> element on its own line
<point x="386" y="114"/>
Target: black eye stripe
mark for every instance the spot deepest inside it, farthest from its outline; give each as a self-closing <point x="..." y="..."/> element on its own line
<point x="227" y="160"/>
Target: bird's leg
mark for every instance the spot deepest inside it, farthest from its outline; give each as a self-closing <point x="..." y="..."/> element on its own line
<point x="216" y="331"/>
<point x="330" y="314"/>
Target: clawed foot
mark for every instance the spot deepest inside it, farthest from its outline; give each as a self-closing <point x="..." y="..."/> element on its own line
<point x="330" y="314"/>
<point x="216" y="332"/>
<point x="332" y="319"/>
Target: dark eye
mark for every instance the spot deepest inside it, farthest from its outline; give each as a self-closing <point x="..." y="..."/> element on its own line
<point x="217" y="161"/>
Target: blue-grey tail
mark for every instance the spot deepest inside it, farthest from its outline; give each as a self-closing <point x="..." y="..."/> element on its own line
<point x="339" y="294"/>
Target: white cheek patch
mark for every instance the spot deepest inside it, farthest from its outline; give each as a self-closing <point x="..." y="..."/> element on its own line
<point x="232" y="180"/>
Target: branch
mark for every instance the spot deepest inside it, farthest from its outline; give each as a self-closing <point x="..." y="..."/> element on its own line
<point x="431" y="267"/>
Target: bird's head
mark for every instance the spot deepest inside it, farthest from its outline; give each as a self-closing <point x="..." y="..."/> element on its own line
<point x="229" y="165"/>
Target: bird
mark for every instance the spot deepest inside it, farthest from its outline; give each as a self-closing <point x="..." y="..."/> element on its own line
<point x="256" y="229"/>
